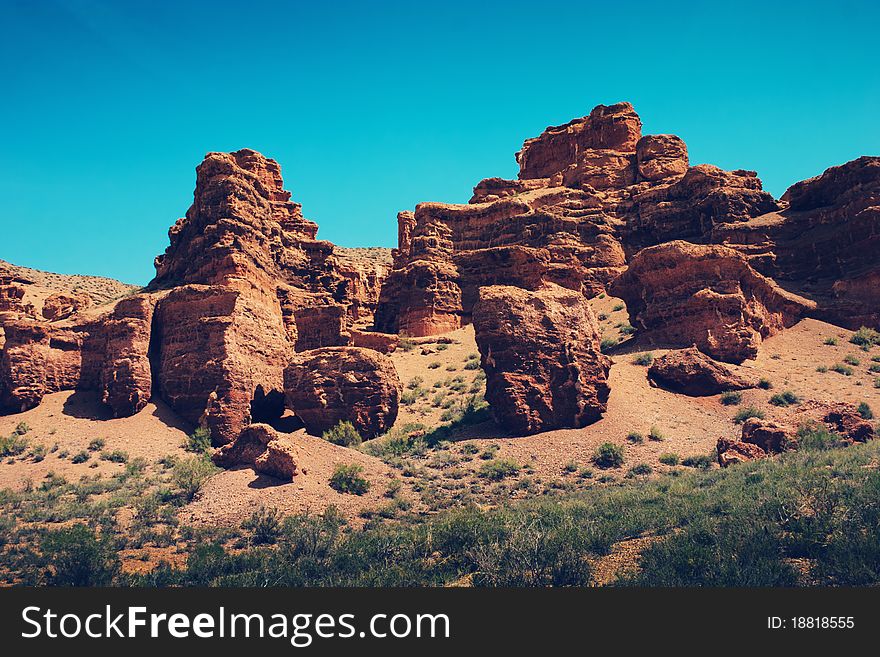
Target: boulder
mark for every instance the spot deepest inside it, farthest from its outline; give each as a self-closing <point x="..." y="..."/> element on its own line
<point x="732" y="451"/>
<point x="540" y="351"/>
<point x="661" y="156"/>
<point x="327" y="386"/>
<point x="691" y="372"/>
<point x="684" y="294"/>
<point x="60" y="306"/>
<point x="260" y="446"/>
<point x="770" y="436"/>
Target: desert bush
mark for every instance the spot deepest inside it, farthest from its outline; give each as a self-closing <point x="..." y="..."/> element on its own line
<point x="831" y="341"/>
<point x="22" y="428"/>
<point x="264" y="525"/>
<point x="97" y="445"/>
<point x="814" y="436"/>
<point x="849" y="359"/>
<point x="731" y="398"/>
<point x="75" y="556"/>
<point x="472" y="365"/>
<point x="865" y="337"/>
<point x="744" y="414"/>
<point x="641" y="469"/>
<point x="116" y="456"/>
<point x="199" y="441"/>
<point x="189" y="474"/>
<point x="765" y="384"/>
<point x="840" y="368"/>
<point x="865" y="411"/>
<point x="618" y="307"/>
<point x="13" y="445"/>
<point x="786" y="398"/>
<point x="499" y="469"/>
<point x="669" y="458"/>
<point x="656" y="435"/>
<point x="644" y="359"/>
<point x="348" y="479"/>
<point x="702" y="461"/>
<point x="608" y="344"/>
<point x="635" y="437"/>
<point x="80" y="457"/>
<point x="608" y="455"/>
<point x="343" y="434"/>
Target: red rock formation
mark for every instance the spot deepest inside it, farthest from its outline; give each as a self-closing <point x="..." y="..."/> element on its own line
<point x="772" y="437"/>
<point x="661" y="156"/>
<point x="260" y="446"/>
<point x="840" y="417"/>
<point x="384" y="343"/>
<point x="615" y="127"/>
<point x="705" y="295"/>
<point x="540" y="352"/>
<point x="691" y="372"/>
<point x="60" y="306"/>
<point x="335" y="384"/>
<point x="125" y="372"/>
<point x="732" y="451"/>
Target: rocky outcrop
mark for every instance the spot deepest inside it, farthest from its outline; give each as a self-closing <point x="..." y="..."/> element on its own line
<point x="661" y="156"/>
<point x="731" y="452"/>
<point x="126" y="381"/>
<point x="384" y="343"/>
<point x="691" y="372"/>
<point x="841" y="418"/>
<point x="705" y="295"/>
<point x="60" y="306"/>
<point x="259" y="446"/>
<point x="327" y="386"/>
<point x="772" y="437"/>
<point x="612" y="127"/>
<point x="540" y="352"/>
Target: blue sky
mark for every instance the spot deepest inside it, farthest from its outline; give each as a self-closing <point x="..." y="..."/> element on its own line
<point x="107" y="107"/>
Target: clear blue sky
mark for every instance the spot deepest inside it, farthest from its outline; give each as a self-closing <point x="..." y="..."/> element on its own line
<point x="108" y="106"/>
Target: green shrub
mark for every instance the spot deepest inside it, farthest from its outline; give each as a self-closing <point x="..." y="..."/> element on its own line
<point x="343" y="434"/>
<point x="849" y="359"/>
<point x="831" y="342"/>
<point x="645" y="359"/>
<point x="76" y="556"/>
<point x="199" y="441"/>
<point x="472" y="365"/>
<point x="814" y="436"/>
<point x="821" y="369"/>
<point x="80" y="457"/>
<point x="401" y="441"/>
<point x="97" y="445"/>
<point x="116" y="456"/>
<point x="608" y="455"/>
<point x="865" y="337"/>
<point x="13" y="445"/>
<point x="701" y="461"/>
<point x="22" y="428"/>
<point x="731" y="398"/>
<point x="570" y="467"/>
<point x="189" y="474"/>
<point x="499" y="469"/>
<point x="669" y="458"/>
<point x="656" y="435"/>
<point x="618" y="307"/>
<point x="765" y="384"/>
<point x="641" y="469"/>
<point x="627" y="329"/>
<point x="865" y="411"/>
<point x="784" y="399"/>
<point x="434" y="365"/>
<point x="635" y="437"/>
<point x="608" y="344"/>
<point x="347" y="479"/>
<point x="846" y="370"/>
<point x="744" y="414"/>
<point x="265" y="526"/>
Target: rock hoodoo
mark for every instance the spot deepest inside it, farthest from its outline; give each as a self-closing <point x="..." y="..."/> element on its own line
<point x="540" y="352"/>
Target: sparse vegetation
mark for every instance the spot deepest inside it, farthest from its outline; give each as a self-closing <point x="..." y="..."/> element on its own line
<point x="97" y="445"/>
<point x="199" y="441"/>
<point x="744" y="414"/>
<point x="190" y="474"/>
<point x="849" y="359"/>
<point x="635" y="437"/>
<point x="608" y="455"/>
<point x="765" y="384"/>
<point x="784" y="399"/>
<point x="343" y="434"/>
<point x="13" y="445"/>
<point x="608" y="344"/>
<point x="865" y="411"/>
<point x="80" y="457"/>
<point x="348" y="479"/>
<point x="865" y="337"/>
<point x="499" y="469"/>
<point x="656" y="435"/>
<point x="831" y="341"/>
<point x="645" y="359"/>
<point x="669" y="458"/>
<point x="731" y="398"/>
<point x="641" y="469"/>
<point x="840" y="368"/>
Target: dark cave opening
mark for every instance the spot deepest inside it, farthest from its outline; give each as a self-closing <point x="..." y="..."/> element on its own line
<point x="268" y="408"/>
